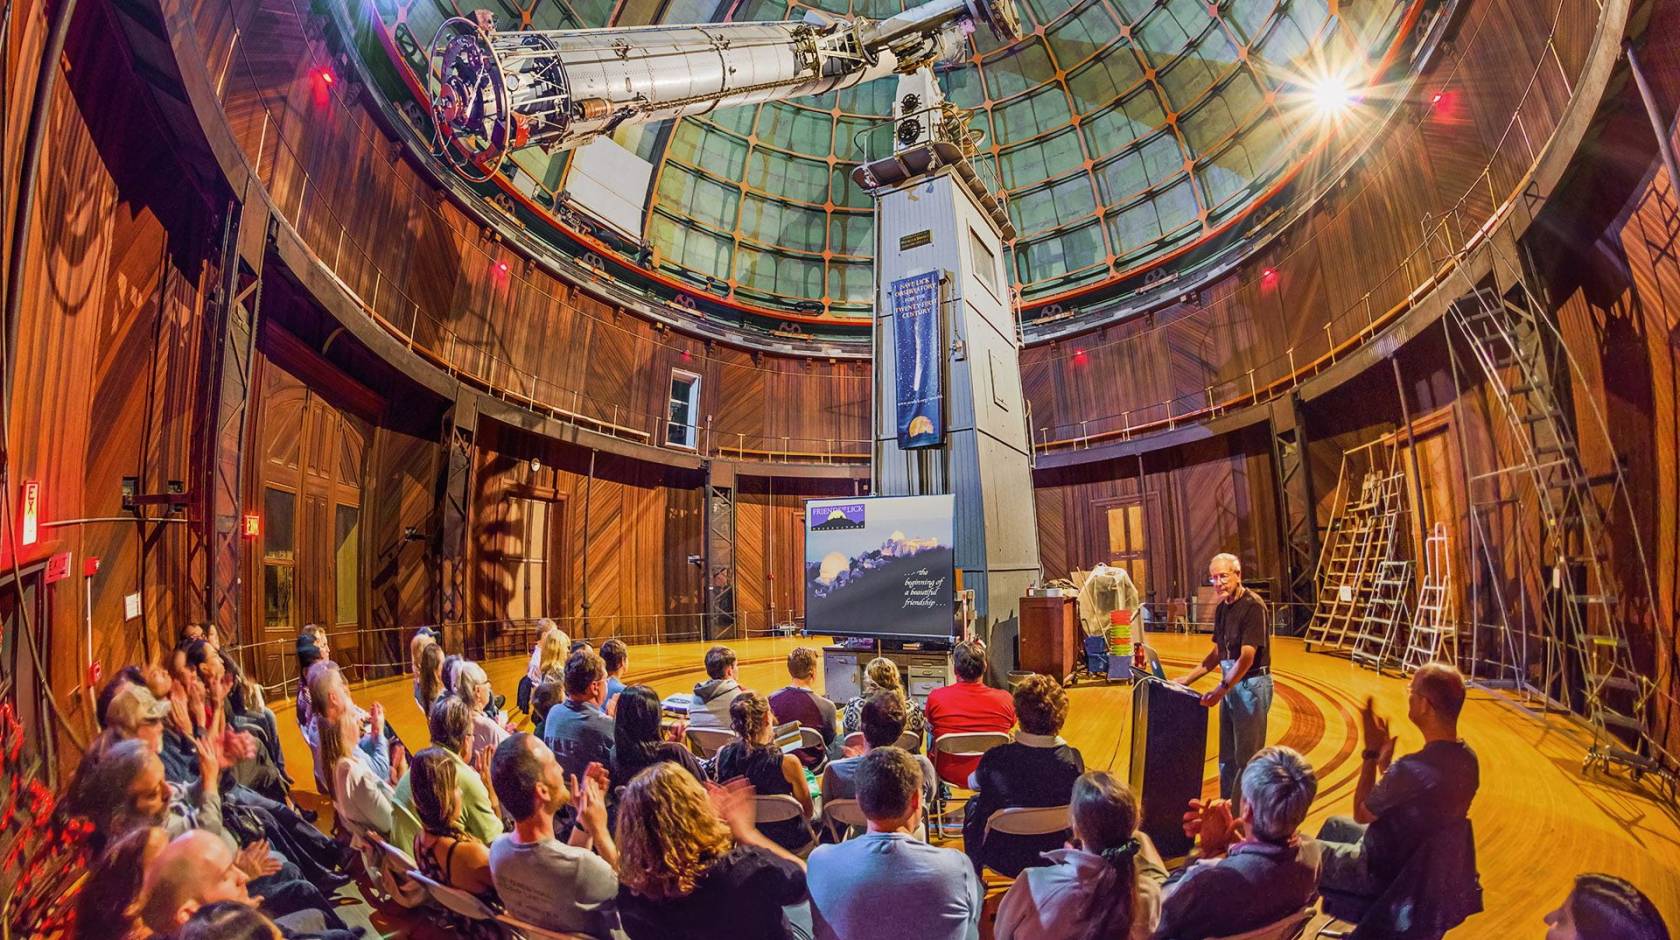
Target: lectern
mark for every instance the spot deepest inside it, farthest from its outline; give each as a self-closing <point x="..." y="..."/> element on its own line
<point x="1169" y="751"/>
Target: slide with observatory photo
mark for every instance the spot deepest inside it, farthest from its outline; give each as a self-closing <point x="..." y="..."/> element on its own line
<point x="880" y="566"/>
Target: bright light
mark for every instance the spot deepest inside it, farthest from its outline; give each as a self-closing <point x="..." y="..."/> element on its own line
<point x="326" y="75"/>
<point x="1331" y="96"/>
<point x="1079" y="356"/>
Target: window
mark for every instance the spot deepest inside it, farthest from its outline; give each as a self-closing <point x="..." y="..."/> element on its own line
<point x="346" y="558"/>
<point x="682" y="424"/>
<point x="1126" y="542"/>
<point x="279" y="558"/>
<point x="985" y="262"/>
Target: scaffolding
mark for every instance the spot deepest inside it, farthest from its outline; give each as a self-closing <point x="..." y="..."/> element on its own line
<point x="1433" y="636"/>
<point x="1361" y="537"/>
<point x="1374" y="644"/>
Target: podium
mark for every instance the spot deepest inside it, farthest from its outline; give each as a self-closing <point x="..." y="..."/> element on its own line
<point x="1169" y="751"/>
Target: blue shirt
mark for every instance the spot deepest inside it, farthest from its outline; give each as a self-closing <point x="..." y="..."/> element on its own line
<point x="580" y="734"/>
<point x="932" y="893"/>
<point x="614" y="687"/>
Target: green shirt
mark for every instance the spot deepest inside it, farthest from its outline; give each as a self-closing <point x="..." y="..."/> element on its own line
<point x="476" y="815"/>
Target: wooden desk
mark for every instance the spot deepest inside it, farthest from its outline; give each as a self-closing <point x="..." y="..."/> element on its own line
<point x="1049" y="635"/>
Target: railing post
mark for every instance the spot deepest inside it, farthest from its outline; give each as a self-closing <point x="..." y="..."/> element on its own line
<point x="1126" y="418"/>
<point x="1253" y="394"/>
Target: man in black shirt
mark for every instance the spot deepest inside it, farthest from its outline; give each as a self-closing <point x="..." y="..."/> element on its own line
<point x="1242" y="653"/>
<point x="1415" y="797"/>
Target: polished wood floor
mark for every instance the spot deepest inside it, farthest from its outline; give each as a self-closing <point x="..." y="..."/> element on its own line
<point x="1539" y="820"/>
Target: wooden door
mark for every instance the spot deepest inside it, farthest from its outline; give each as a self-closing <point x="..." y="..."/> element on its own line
<point x="787" y="571"/>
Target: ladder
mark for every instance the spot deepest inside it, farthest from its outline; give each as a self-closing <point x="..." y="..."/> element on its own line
<point x="1432" y="638"/>
<point x="1520" y="352"/>
<point x="1378" y="630"/>
<point x="1361" y="537"/>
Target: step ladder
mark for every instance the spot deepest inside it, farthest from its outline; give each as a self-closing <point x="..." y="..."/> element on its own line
<point x="1361" y="537"/>
<point x="1379" y="631"/>
<point x="1432" y="638"/>
<point x="1522" y="357"/>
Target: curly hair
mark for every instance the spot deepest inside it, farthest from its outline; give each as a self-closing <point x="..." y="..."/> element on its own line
<point x="1040" y="705"/>
<point x="881" y="675"/>
<point x="749" y="714"/>
<point x="668" y="834"/>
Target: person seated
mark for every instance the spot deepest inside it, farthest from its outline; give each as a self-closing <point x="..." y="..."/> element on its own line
<point x="1252" y="871"/>
<point x="197" y="869"/>
<point x="965" y="706"/>
<point x="696" y="867"/>
<point x="1415" y="796"/>
<point x="228" y="920"/>
<point x="254" y="769"/>
<point x="446" y="853"/>
<point x="450" y="724"/>
<point x="548" y="659"/>
<point x="359" y="792"/>
<point x="490" y="726"/>
<point x="754" y="756"/>
<point x="429" y="687"/>
<point x="1038" y="768"/>
<point x="1105" y="883"/>
<point x="886" y="882"/>
<point x="638" y="742"/>
<point x="108" y="906"/>
<point x="883" y="723"/>
<point x="312" y="647"/>
<point x="615" y="655"/>
<point x="329" y="697"/>
<point x="708" y="707"/>
<point x="577" y="730"/>
<point x="544" y="697"/>
<point x="881" y="675"/>
<point x="558" y="886"/>
<point x="799" y="701"/>
<point x="1604" y="907"/>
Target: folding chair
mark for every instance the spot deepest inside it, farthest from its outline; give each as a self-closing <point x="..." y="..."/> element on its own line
<point x="961" y="744"/>
<point x="529" y="931"/>
<point x="1027" y="821"/>
<point x="841" y="817"/>
<point x="706" y="742"/>
<point x="391" y="871"/>
<point x="454" y="899"/>
<point x="780" y="807"/>
<point x="812" y="738"/>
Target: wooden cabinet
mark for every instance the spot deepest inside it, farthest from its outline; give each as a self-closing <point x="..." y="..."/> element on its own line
<point x="1049" y="635"/>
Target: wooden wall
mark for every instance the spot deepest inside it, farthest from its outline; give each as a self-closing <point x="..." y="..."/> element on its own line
<point x="110" y="367"/>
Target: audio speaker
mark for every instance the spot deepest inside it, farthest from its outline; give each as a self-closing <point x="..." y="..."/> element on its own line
<point x="1169" y="750"/>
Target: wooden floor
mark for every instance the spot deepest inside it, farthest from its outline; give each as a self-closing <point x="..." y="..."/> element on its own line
<point x="1538" y="819"/>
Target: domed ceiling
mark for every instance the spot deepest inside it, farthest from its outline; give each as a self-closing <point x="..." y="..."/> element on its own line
<point x="1126" y="133"/>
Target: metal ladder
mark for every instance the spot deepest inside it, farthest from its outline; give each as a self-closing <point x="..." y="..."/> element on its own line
<point x="1380" y="627"/>
<point x="1511" y="344"/>
<point x="1432" y="637"/>
<point x="1360" y="538"/>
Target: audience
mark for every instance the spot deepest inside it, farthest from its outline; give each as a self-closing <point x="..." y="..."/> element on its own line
<point x="450" y="724"/>
<point x="228" y="920"/>
<point x="885" y="876"/>
<point x="559" y="886"/>
<point x="1252" y="871"/>
<point x="108" y="907"/>
<point x="881" y="675"/>
<point x="548" y="658"/>
<point x="883" y="723"/>
<point x="577" y="730"/>
<point x="1038" y="768"/>
<point x="799" y="701"/>
<point x="698" y="868"/>
<point x="615" y="655"/>
<point x="755" y="757"/>
<point x="708" y="707"/>
<point x="312" y="647"/>
<point x="360" y="793"/>
<point x="966" y="706"/>
<point x="638" y="742"/>
<point x="446" y="853"/>
<point x="1105" y="884"/>
<point x="1415" y="796"/>
<point x="428" y="680"/>
<point x="197" y="869"/>
<point x="1604" y="907"/>
<point x="490" y="726"/>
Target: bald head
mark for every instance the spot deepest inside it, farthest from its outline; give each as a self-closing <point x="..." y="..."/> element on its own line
<point x="193" y="870"/>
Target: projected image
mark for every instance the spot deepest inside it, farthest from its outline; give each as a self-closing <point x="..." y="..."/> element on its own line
<point x="879" y="567"/>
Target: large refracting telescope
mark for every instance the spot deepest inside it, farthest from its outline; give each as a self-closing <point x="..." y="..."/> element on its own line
<point x="494" y="93"/>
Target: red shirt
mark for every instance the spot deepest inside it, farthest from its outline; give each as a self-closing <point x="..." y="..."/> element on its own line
<point x="961" y="708"/>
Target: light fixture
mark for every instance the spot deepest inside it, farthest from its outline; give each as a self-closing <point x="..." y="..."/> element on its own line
<point x="1331" y="95"/>
<point x="536" y="465"/>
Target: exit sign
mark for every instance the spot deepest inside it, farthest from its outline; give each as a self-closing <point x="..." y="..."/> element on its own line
<point x="31" y="511"/>
<point x="252" y="526"/>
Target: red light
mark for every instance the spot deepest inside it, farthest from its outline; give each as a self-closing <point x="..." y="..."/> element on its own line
<point x="1079" y="356"/>
<point x="252" y="526"/>
<point x="31" y="511"/>
<point x="1437" y="99"/>
<point x="501" y="267"/>
<point x="325" y="75"/>
<point x="1269" y="276"/>
<point x="687" y="356"/>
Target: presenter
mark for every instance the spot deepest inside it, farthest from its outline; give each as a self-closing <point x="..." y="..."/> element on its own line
<point x="1242" y="653"/>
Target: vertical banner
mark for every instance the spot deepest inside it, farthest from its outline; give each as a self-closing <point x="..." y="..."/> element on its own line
<point x="919" y="355"/>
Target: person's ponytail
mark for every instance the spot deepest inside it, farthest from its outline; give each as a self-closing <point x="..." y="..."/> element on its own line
<point x="1105" y="814"/>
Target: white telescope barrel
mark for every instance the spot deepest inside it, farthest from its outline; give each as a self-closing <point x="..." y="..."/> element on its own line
<point x="494" y="93"/>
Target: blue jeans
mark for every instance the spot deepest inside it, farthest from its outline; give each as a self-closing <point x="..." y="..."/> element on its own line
<point x="1242" y="732"/>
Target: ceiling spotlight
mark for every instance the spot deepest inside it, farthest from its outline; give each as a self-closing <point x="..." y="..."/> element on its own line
<point x="1331" y="96"/>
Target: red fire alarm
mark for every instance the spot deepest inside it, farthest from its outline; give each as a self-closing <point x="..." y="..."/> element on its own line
<point x="31" y="511"/>
<point x="252" y="526"/>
